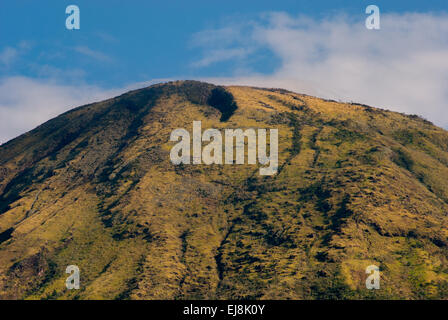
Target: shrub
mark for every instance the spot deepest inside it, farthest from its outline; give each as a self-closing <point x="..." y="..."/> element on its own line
<point x="222" y="100"/>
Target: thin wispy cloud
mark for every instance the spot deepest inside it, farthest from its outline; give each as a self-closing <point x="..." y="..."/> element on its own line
<point x="94" y="54"/>
<point x="8" y="55"/>
<point x="402" y="67"/>
<point x="222" y="55"/>
<point x="106" y="37"/>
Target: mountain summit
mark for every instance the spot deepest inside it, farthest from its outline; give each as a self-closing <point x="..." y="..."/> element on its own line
<point x="95" y="188"/>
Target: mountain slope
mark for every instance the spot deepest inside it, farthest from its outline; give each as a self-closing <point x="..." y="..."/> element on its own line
<point x="95" y="188"/>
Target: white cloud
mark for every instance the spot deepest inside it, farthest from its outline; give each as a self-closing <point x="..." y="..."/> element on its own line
<point x="402" y="67"/>
<point x="26" y="102"/>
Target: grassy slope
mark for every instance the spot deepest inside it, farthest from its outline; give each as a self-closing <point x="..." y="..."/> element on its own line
<point x="95" y="188"/>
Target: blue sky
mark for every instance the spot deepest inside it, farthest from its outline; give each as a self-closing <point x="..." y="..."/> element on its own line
<point x="148" y="39"/>
<point x="121" y="44"/>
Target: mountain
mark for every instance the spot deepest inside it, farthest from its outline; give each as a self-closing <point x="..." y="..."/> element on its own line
<point x="95" y="187"/>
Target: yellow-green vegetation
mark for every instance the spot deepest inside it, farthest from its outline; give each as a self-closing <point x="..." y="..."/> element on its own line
<point x="95" y="188"/>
